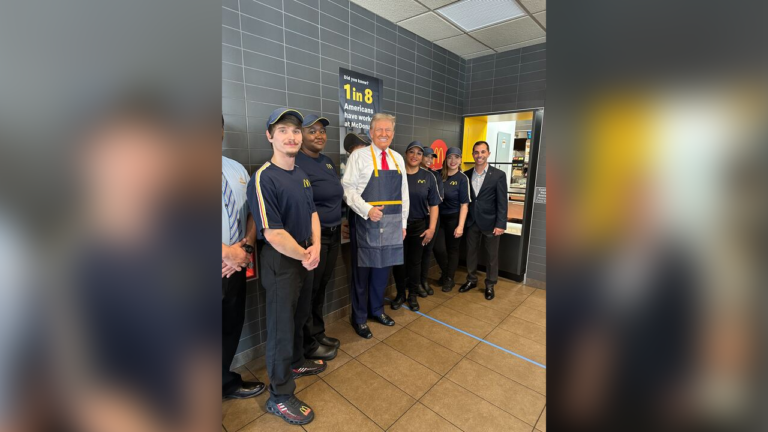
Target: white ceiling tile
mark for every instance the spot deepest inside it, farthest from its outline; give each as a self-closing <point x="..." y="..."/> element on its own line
<point x="393" y="10"/>
<point x="522" y="44"/>
<point x="462" y="45"/>
<point x="434" y="4"/>
<point x="471" y="15"/>
<point x="478" y="54"/>
<point x="508" y="33"/>
<point x="542" y="18"/>
<point x="534" y="6"/>
<point x="430" y="26"/>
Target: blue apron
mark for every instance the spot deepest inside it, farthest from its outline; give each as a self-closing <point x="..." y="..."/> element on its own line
<point x="380" y="244"/>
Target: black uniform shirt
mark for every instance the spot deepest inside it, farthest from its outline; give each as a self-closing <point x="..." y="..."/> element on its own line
<point x="281" y="199"/>
<point x="439" y="178"/>
<point x="423" y="192"/>
<point x="326" y="187"/>
<point x="456" y="193"/>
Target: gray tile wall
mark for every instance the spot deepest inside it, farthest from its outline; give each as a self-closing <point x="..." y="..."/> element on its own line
<point x="507" y="81"/>
<point x="288" y="53"/>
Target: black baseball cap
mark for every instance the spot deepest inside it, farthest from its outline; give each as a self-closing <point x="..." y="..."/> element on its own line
<point x="428" y="151"/>
<point x="453" y="150"/>
<point x="414" y="144"/>
<point x="353" y="140"/>
<point x="280" y="112"/>
<point x="312" y="119"/>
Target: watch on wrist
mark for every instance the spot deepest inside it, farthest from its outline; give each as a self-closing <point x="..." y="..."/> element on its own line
<point x="248" y="248"/>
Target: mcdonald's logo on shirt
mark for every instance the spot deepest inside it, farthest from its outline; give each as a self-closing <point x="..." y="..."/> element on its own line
<point x="329" y="166"/>
<point x="453" y="183"/>
<point x="422" y="181"/>
<point x="306" y="183"/>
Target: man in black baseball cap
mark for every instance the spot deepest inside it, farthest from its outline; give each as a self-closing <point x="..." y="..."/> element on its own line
<point x="280" y="196"/>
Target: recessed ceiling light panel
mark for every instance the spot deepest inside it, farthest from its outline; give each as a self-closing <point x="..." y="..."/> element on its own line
<point x="474" y="14"/>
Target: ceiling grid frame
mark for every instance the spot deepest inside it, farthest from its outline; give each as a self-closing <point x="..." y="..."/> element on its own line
<point x="531" y="28"/>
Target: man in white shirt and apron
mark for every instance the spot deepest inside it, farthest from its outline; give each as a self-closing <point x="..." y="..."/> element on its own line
<point x="376" y="189"/>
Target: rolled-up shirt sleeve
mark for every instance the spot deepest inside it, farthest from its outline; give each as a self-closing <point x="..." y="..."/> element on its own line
<point x="354" y="182"/>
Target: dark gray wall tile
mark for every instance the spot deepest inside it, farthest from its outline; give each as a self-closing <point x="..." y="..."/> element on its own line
<point x="262" y="28"/>
<point x="263" y="46"/>
<point x="262" y="11"/>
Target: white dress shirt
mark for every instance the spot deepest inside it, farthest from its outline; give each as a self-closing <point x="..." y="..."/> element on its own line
<point x="238" y="178"/>
<point x="359" y="170"/>
<point x="477" y="179"/>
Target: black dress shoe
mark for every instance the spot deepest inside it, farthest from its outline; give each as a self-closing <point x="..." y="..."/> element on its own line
<point x="467" y="286"/>
<point x="489" y="294"/>
<point x="397" y="302"/>
<point x="413" y="303"/>
<point x="385" y="320"/>
<point x="420" y="290"/>
<point x="247" y="390"/>
<point x="322" y="352"/>
<point x="362" y="330"/>
<point x="427" y="288"/>
<point x="447" y="284"/>
<point x="329" y="341"/>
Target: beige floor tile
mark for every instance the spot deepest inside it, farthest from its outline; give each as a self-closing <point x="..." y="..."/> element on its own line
<point x="351" y="343"/>
<point x="532" y="315"/>
<point x="341" y="359"/>
<point x="441" y="296"/>
<point x="402" y="316"/>
<point x="377" y="398"/>
<point x="525" y="329"/>
<point x="500" y="391"/>
<point x="462" y="321"/>
<point x="419" y="419"/>
<point x="518" y="344"/>
<point x="438" y="333"/>
<point x="535" y="303"/>
<point x="426" y="304"/>
<point x="270" y="422"/>
<point x="382" y="332"/>
<point x="502" y="305"/>
<point x="539" y="293"/>
<point x="430" y="354"/>
<point x="397" y="368"/>
<point x="333" y="413"/>
<point x="542" y="424"/>
<point x="514" y="368"/>
<point x="476" y="310"/>
<point x="468" y="411"/>
<point x="237" y="413"/>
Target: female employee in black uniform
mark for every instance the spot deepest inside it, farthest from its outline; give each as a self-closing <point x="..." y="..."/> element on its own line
<point x="453" y="214"/>
<point x="426" y="258"/>
<point x="422" y="222"/>
<point x="327" y="192"/>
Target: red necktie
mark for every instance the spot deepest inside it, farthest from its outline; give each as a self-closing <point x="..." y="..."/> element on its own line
<point x="384" y="164"/>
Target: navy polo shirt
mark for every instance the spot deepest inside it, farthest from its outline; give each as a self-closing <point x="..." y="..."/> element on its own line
<point x="439" y="177"/>
<point x="423" y="192"/>
<point x="456" y="192"/>
<point x="326" y="187"/>
<point x="281" y="199"/>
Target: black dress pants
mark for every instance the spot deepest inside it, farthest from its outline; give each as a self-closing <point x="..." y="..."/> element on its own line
<point x="410" y="271"/>
<point x="490" y="243"/>
<point x="426" y="256"/>
<point x="232" y="318"/>
<point x="288" y="306"/>
<point x="314" y="328"/>
<point x="447" y="249"/>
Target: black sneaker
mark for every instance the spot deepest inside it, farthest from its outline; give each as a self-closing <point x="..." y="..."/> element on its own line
<point x="293" y="411"/>
<point x="310" y="367"/>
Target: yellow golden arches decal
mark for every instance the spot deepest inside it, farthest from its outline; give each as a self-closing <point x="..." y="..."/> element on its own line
<point x="307" y="183"/>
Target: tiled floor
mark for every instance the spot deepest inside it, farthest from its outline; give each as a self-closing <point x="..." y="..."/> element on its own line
<point x="421" y="375"/>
